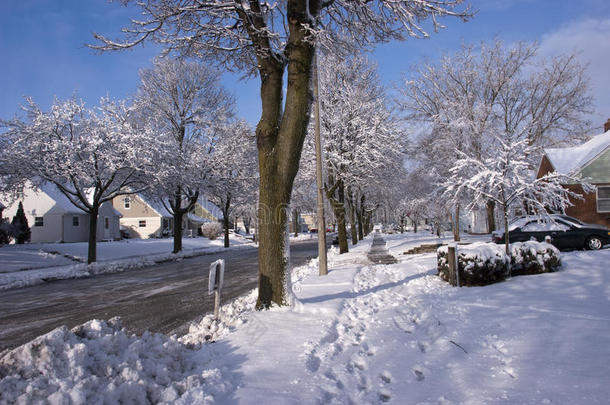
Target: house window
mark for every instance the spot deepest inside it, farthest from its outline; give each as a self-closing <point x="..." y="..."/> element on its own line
<point x="603" y="199"/>
<point x="127" y="203"/>
<point x="106" y="223"/>
<point x="142" y="224"/>
<point x="75" y="221"/>
<point x="39" y="221"/>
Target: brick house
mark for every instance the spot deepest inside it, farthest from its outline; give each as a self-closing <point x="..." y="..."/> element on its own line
<point x="591" y="161"/>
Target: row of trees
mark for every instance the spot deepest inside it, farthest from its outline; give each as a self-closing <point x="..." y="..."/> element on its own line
<point x="177" y="139"/>
<point x="272" y="41"/>
<point x="362" y="146"/>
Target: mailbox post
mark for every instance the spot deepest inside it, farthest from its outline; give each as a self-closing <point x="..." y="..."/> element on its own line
<point x="215" y="280"/>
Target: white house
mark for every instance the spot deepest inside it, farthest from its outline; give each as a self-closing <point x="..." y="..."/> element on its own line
<point x="53" y="218"/>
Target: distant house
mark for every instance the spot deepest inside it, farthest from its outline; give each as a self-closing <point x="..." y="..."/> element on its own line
<point x="144" y="218"/>
<point x="591" y="161"/>
<point x="53" y="218"/>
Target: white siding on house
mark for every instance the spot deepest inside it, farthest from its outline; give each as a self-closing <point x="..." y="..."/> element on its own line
<point x="152" y="228"/>
<point x="58" y="213"/>
<point x="73" y="233"/>
<point x="114" y="228"/>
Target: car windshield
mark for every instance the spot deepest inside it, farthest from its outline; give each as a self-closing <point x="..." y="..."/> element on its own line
<point x="517" y="223"/>
<point x="570" y="220"/>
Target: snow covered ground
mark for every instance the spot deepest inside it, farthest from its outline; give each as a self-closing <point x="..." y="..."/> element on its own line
<point x="363" y="334"/>
<point x="29" y="264"/>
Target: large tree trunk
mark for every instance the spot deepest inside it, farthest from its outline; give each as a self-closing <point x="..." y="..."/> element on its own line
<point x="491" y="219"/>
<point x="280" y="138"/>
<point x="177" y="231"/>
<point x="92" y="243"/>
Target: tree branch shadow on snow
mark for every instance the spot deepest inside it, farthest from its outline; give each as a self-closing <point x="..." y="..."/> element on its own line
<point x="373" y="290"/>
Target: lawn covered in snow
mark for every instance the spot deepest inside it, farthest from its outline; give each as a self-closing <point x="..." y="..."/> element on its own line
<point x="363" y="334"/>
<point x="29" y="264"/>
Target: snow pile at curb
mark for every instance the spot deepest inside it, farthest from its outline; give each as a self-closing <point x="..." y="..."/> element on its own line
<point x="98" y="362"/>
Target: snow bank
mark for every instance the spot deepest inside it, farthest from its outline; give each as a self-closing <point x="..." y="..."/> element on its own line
<point x="99" y="363"/>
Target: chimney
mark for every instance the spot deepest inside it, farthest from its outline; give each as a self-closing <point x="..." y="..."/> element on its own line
<point x="607" y="126"/>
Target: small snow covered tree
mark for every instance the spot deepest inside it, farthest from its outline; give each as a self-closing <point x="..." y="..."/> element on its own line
<point x="90" y="155"/>
<point x="508" y="180"/>
<point x="19" y="226"/>
<point x="469" y="97"/>
<point x="234" y="177"/>
<point x="271" y="39"/>
<point x="186" y="105"/>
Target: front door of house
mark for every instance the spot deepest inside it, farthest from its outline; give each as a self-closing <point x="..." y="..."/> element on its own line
<point x="106" y="228"/>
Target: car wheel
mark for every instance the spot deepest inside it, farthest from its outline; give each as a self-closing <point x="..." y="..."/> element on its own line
<point x="593" y="243"/>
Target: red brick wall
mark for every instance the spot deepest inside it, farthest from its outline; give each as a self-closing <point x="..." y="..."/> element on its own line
<point x="586" y="209"/>
<point x="545" y="167"/>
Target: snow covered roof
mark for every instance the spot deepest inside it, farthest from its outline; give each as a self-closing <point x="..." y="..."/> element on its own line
<point x="569" y="160"/>
<point x="196" y="218"/>
<point x="210" y="207"/>
<point x="156" y="205"/>
<point x="61" y="201"/>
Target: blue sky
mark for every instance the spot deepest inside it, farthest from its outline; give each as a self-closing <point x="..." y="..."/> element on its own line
<point x="43" y="52"/>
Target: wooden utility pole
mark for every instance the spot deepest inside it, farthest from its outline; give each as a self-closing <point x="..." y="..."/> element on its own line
<point x="319" y="181"/>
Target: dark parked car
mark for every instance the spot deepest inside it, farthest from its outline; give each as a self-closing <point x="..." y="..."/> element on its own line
<point x="564" y="232"/>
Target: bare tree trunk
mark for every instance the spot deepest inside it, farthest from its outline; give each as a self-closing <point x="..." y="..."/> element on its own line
<point x="295" y="222"/>
<point x="361" y="218"/>
<point x="92" y="243"/>
<point x="225" y="214"/>
<point x="456" y="224"/>
<point x="280" y="136"/>
<point x="177" y="231"/>
<point x="338" y="205"/>
<point x="491" y="219"/>
<point x="352" y="217"/>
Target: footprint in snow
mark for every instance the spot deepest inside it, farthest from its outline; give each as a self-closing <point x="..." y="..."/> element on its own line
<point x="384" y="395"/>
<point x="386" y="377"/>
<point x="419" y="374"/>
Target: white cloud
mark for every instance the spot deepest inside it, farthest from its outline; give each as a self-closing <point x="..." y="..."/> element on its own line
<point x="590" y="38"/>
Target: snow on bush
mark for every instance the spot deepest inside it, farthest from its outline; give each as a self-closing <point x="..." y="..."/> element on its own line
<point x="480" y="263"/>
<point x="484" y="263"/>
<point x="211" y="230"/>
<point x="533" y="258"/>
<point x="99" y="363"/>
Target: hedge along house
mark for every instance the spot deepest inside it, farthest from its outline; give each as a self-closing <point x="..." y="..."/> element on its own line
<point x="53" y="218"/>
<point x="591" y="161"/>
<point x="143" y="218"/>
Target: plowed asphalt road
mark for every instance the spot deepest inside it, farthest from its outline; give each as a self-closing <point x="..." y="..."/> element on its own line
<point x="161" y="298"/>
